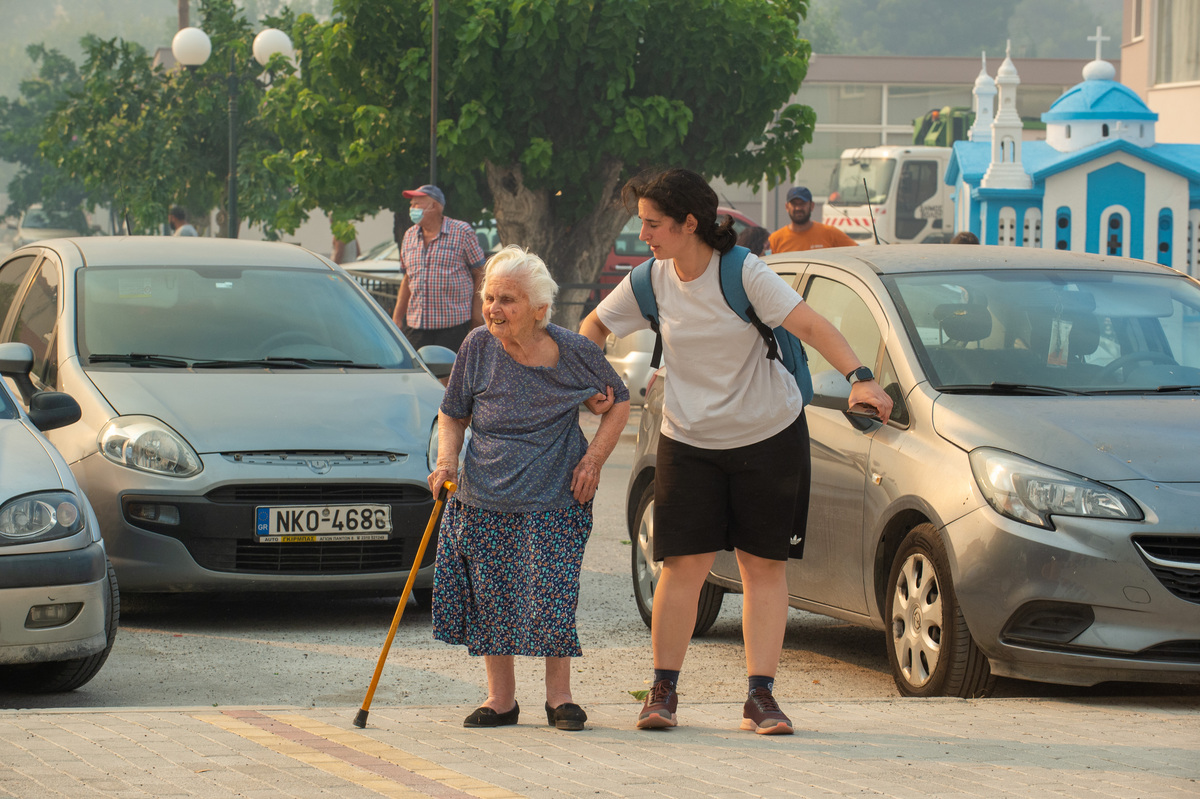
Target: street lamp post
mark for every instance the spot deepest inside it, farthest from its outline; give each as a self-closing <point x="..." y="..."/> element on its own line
<point x="192" y="47"/>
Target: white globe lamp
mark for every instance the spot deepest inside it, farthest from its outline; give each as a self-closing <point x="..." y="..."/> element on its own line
<point x="191" y="47"/>
<point x="268" y="42"/>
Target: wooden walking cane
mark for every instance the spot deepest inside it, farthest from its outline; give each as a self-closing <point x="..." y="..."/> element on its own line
<point x="448" y="488"/>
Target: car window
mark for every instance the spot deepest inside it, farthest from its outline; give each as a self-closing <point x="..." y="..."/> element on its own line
<point x="845" y="309"/>
<point x="224" y="313"/>
<point x="1075" y="330"/>
<point x="891" y="385"/>
<point x="37" y="320"/>
<point x="12" y="274"/>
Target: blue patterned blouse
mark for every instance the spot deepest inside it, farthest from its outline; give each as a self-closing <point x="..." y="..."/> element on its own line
<point x="525" y="435"/>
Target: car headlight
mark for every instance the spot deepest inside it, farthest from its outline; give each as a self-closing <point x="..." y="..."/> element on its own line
<point x="146" y="444"/>
<point x="1032" y="492"/>
<point x="40" y="517"/>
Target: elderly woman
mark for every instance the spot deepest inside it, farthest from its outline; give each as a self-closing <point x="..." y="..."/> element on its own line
<point x="511" y="542"/>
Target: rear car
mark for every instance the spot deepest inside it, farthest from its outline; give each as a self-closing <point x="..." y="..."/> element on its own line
<point x="59" y="603"/>
<point x="251" y="419"/>
<point x="1029" y="510"/>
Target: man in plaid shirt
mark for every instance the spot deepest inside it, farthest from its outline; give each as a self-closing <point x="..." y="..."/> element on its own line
<point x="442" y="266"/>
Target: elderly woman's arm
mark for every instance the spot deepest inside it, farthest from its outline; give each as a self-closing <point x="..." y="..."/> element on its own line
<point x="451" y="433"/>
<point x="586" y="477"/>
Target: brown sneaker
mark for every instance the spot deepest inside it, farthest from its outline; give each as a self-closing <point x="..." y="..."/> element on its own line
<point x="761" y="713"/>
<point x="659" y="708"/>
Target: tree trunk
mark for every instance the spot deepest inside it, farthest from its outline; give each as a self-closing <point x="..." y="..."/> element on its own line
<point x="575" y="254"/>
<point x="183" y="13"/>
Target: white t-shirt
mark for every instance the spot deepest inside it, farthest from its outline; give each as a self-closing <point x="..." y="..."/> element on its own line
<point x="722" y="392"/>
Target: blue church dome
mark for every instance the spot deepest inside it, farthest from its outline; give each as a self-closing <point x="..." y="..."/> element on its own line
<point x="1099" y="99"/>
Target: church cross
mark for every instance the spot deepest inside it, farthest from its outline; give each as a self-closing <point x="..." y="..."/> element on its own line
<point x="1099" y="39"/>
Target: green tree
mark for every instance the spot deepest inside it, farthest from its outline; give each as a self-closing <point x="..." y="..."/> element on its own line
<point x="549" y="105"/>
<point x="923" y="27"/>
<point x="145" y="139"/>
<point x="22" y="122"/>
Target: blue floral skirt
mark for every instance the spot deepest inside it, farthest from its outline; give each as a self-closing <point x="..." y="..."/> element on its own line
<point x="508" y="583"/>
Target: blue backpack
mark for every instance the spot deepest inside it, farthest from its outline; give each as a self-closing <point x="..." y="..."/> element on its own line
<point x="781" y="345"/>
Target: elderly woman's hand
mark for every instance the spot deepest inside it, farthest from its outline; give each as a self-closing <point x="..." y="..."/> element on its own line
<point x="440" y="474"/>
<point x="586" y="478"/>
<point x="600" y="403"/>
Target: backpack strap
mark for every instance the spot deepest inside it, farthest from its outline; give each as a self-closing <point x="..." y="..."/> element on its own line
<point x="734" y="291"/>
<point x="643" y="291"/>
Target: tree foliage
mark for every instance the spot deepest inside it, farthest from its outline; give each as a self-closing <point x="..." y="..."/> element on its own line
<point x="144" y="139"/>
<point x="22" y="122"/>
<point x="545" y="108"/>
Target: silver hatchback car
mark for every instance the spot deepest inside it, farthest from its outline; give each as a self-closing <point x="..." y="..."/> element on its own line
<point x="1032" y="508"/>
<point x="252" y="421"/>
<point x="59" y="604"/>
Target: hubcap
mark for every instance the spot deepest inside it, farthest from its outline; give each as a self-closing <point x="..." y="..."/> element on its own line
<point x="917" y="620"/>
<point x="648" y="570"/>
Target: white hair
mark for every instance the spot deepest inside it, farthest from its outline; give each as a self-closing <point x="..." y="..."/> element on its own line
<point x="526" y="270"/>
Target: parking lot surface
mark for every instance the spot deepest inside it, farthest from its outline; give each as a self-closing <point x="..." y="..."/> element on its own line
<point x="884" y="747"/>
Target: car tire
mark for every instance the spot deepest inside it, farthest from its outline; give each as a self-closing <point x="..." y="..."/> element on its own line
<point x="646" y="572"/>
<point x="424" y="598"/>
<point x="67" y="675"/>
<point x="930" y="649"/>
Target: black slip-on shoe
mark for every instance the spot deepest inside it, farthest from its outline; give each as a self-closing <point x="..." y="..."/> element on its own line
<point x="486" y="717"/>
<point x="567" y="716"/>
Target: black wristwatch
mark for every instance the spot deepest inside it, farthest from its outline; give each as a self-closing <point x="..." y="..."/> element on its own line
<point x="859" y="374"/>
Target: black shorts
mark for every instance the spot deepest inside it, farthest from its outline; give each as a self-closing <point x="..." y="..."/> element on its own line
<point x="753" y="498"/>
<point x="451" y="337"/>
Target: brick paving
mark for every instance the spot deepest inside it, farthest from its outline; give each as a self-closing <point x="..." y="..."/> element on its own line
<point x="902" y="748"/>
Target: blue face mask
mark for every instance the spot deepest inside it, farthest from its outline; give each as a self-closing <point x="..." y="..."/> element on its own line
<point x="416" y="215"/>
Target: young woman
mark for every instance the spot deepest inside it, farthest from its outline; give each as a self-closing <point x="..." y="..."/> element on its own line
<point x="733" y="461"/>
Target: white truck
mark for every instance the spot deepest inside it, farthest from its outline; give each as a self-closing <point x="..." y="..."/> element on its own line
<point x="909" y="199"/>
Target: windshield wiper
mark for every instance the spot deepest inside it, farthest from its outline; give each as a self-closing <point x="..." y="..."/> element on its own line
<point x="1152" y="390"/>
<point x="286" y="363"/>
<point x="140" y="359"/>
<point x="1011" y="388"/>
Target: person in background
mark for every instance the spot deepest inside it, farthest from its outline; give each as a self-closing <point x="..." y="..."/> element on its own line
<point x="343" y="252"/>
<point x="733" y="459"/>
<point x="964" y="237"/>
<point x="802" y="233"/>
<point x="177" y="219"/>
<point x="754" y="239"/>
<point x="510" y="547"/>
<point x="441" y="264"/>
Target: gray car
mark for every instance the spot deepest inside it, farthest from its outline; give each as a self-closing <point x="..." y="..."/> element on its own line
<point x="1032" y="508"/>
<point x="59" y="604"/>
<point x="251" y="420"/>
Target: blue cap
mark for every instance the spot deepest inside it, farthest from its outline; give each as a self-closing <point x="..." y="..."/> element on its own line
<point x="798" y="193"/>
<point x="429" y="190"/>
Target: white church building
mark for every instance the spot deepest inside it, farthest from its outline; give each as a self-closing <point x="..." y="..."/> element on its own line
<point x="1099" y="183"/>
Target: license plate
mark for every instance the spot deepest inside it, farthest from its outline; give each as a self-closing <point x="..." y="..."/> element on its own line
<point x="311" y="523"/>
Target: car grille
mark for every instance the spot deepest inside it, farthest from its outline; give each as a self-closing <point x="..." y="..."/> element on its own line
<point x="1175" y="651"/>
<point x="355" y="557"/>
<point x="319" y="494"/>
<point x="1175" y="561"/>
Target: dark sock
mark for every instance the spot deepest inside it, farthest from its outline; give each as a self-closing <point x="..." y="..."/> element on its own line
<point x="667" y="674"/>
<point x="759" y="681"/>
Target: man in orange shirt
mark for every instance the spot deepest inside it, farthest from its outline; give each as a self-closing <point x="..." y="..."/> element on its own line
<point x="803" y="233"/>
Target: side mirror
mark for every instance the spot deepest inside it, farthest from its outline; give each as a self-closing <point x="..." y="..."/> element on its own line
<point x="440" y="360"/>
<point x="51" y="410"/>
<point x="16" y="359"/>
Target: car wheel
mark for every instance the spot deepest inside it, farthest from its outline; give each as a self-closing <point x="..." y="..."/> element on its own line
<point x="929" y="646"/>
<point x="646" y="572"/>
<point x="67" y="675"/>
<point x="424" y="598"/>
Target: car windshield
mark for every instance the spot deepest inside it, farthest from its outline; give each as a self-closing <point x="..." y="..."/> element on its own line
<point x="222" y="315"/>
<point x="59" y="220"/>
<point x="1053" y="331"/>
<point x="848" y="183"/>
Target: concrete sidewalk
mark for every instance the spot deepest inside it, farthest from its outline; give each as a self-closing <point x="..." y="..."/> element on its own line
<point x="884" y="747"/>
